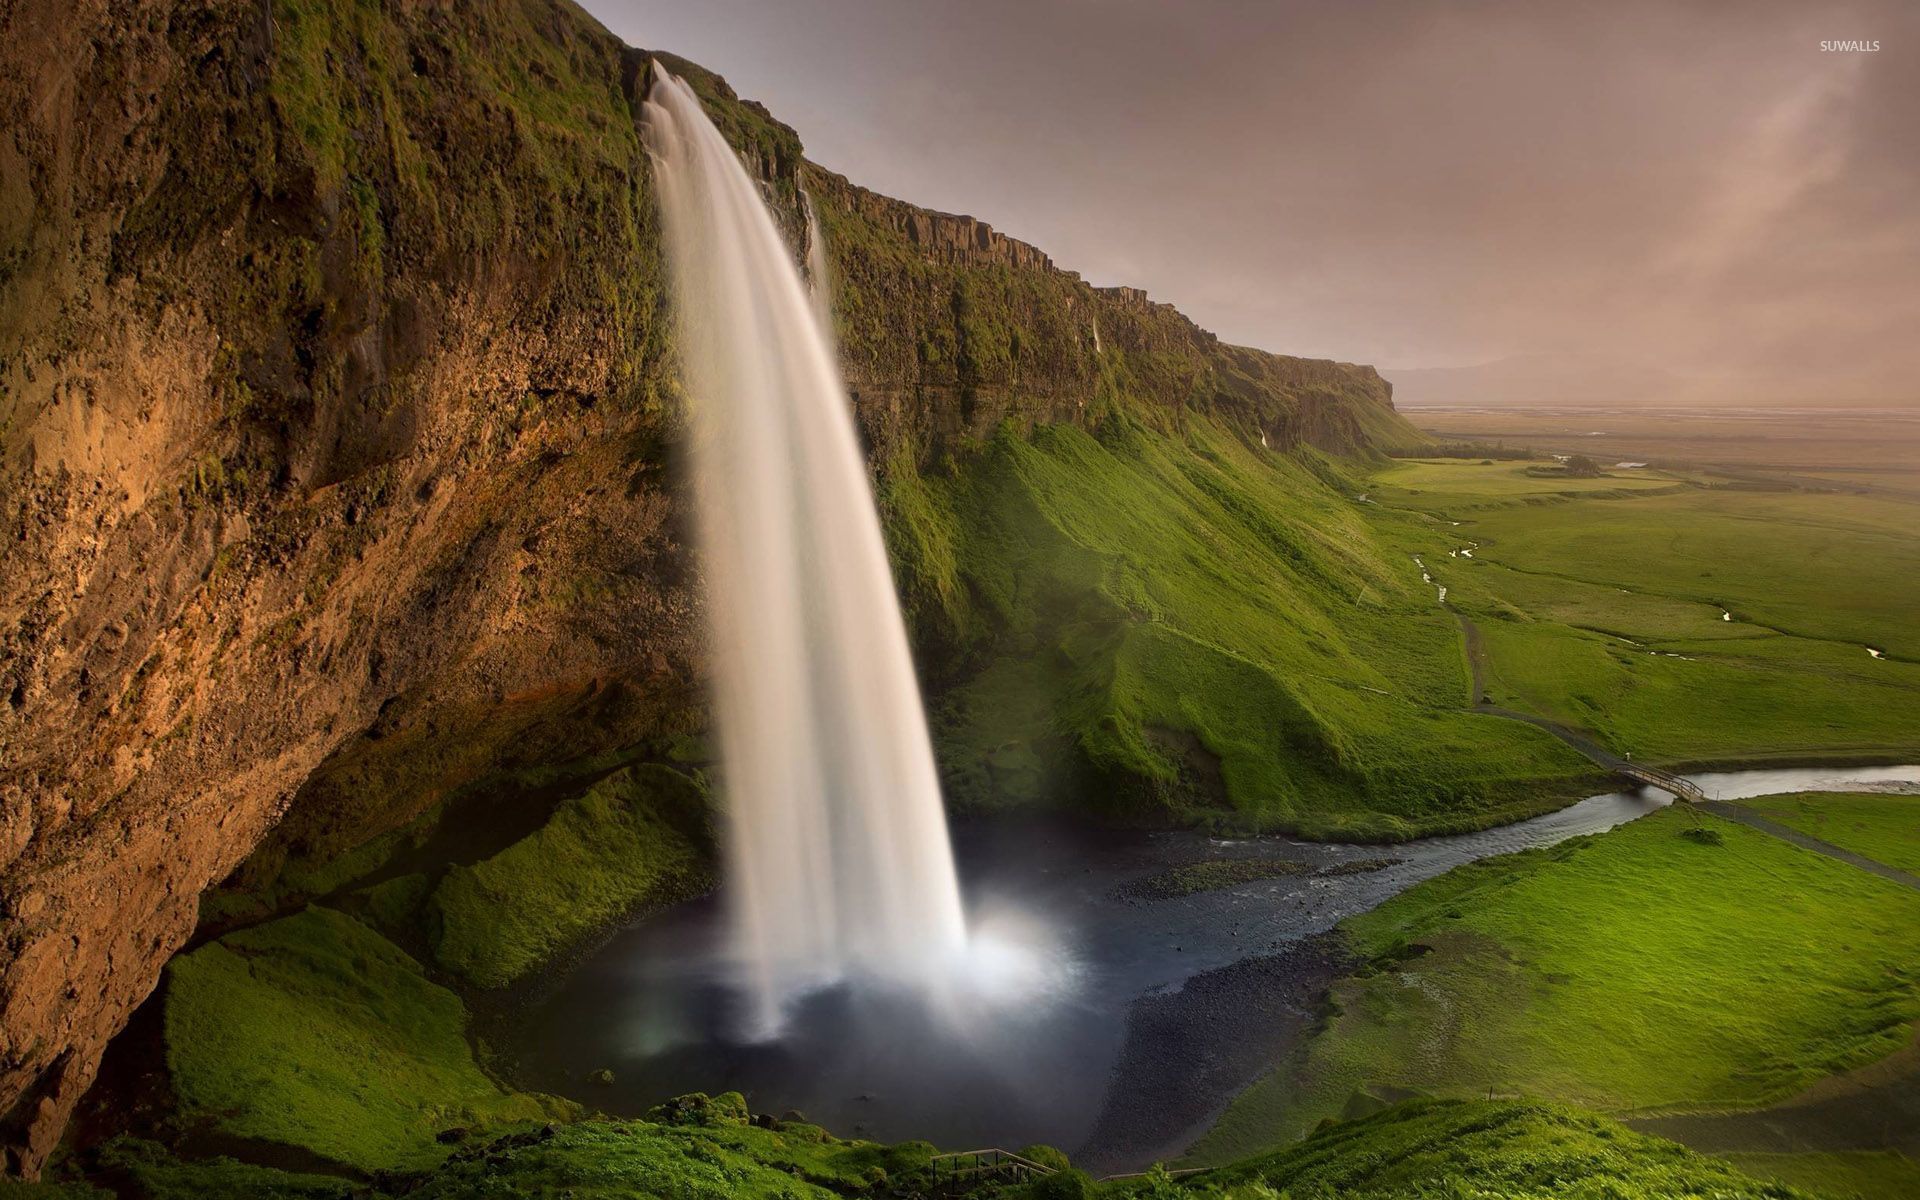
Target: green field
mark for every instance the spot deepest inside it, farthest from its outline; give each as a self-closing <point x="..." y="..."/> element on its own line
<point x="1465" y="481"/>
<point x="1159" y="624"/>
<point x="1882" y="827"/>
<point x="1674" y="621"/>
<point x="1647" y="968"/>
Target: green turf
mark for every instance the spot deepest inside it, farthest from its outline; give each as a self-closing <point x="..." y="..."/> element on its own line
<point x="696" y="1149"/>
<point x="1637" y="970"/>
<point x="1603" y="610"/>
<point x="156" y="1174"/>
<point x="1186" y="625"/>
<point x="638" y="838"/>
<point x="16" y="1189"/>
<point x="1473" y="482"/>
<point x="1882" y="827"/>
<point x="1827" y="566"/>
<point x="314" y="1031"/>
<point x="692" y="1148"/>
<point x="1435" y="1149"/>
<point x="1746" y="700"/>
<point x="1859" y="1174"/>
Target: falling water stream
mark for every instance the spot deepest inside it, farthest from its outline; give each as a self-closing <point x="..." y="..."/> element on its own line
<point x="837" y="844"/>
<point x="848" y="947"/>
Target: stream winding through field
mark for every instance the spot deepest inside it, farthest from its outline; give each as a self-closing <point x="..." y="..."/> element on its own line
<point x="1160" y="1010"/>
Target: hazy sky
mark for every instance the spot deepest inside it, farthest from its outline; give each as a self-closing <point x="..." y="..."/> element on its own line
<point x="1412" y="183"/>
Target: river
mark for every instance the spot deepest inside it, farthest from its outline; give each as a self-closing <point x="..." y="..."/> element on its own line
<point x="1137" y="1021"/>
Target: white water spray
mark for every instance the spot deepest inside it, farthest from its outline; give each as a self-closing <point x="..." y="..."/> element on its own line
<point x="837" y="843"/>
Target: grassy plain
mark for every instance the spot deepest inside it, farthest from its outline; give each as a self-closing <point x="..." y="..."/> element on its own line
<point x="1675" y="621"/>
<point x="1882" y="827"/>
<point x="1638" y="970"/>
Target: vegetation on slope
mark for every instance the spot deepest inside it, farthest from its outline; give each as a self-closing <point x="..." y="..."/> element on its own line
<point x="1189" y="625"/>
<point x="638" y="839"/>
<point x="1644" y="968"/>
<point x="694" y="1147"/>
<point x="708" y="1149"/>
<point x="316" y="1032"/>
<point x="1486" y="1150"/>
<point x="1868" y="1174"/>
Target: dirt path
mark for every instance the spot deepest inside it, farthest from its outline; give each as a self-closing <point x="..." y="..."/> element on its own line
<point x="1476" y="657"/>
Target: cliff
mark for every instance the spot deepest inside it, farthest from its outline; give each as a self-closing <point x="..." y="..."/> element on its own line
<point x="336" y="404"/>
<point x="949" y="329"/>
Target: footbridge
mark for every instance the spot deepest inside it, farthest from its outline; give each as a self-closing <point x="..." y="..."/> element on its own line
<point x="1666" y="781"/>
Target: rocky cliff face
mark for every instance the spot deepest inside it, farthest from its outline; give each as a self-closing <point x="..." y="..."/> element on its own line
<point x="949" y="328"/>
<point x="336" y="408"/>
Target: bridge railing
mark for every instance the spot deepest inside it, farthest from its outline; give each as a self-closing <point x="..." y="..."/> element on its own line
<point x="1666" y="781"/>
<point x="962" y="1170"/>
<point x="959" y="1172"/>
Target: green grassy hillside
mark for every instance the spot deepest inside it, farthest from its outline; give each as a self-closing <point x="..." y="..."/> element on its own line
<point x="1882" y="827"/>
<point x="1680" y="962"/>
<point x="314" y="1031"/>
<point x="1152" y="624"/>
<point x="1486" y="1150"/>
<point x="637" y="840"/>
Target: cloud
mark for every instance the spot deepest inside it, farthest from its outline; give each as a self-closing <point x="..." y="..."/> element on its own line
<point x="1411" y="182"/>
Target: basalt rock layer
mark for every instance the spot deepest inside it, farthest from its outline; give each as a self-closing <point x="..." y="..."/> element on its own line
<point x="336" y="409"/>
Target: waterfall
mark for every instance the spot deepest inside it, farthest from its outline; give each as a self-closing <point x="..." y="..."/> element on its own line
<point x="838" y="857"/>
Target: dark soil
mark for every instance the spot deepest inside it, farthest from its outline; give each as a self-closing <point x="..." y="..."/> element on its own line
<point x="1188" y="1053"/>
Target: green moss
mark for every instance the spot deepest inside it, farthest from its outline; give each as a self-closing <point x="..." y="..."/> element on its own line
<point x="16" y="1189"/>
<point x="314" y="1031"/>
<point x="304" y="877"/>
<point x="637" y="838"/>
<point x="156" y="1174"/>
<point x="396" y="907"/>
<point x="708" y="1160"/>
<point x="1427" y="1149"/>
